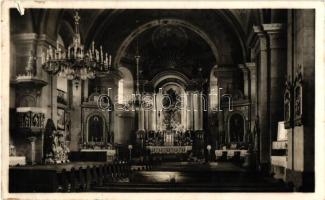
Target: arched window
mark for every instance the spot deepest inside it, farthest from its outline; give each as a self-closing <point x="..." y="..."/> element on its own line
<point x="125" y="85"/>
<point x="120" y="92"/>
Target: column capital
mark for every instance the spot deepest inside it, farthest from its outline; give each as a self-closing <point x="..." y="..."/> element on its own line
<point x="251" y="66"/>
<point x="273" y="28"/>
<point x="258" y="38"/>
<point x="24" y="37"/>
<point x="276" y="35"/>
<point x="45" y="40"/>
<point x="31" y="138"/>
<point x="258" y="30"/>
<point x="243" y="67"/>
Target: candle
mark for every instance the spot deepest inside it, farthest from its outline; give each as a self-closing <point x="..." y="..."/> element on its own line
<point x="90" y="55"/>
<point x="50" y="52"/>
<point x="101" y="54"/>
<point x="75" y="52"/>
<point x="110" y="60"/>
<point x="68" y="52"/>
<point x="97" y="55"/>
<point x="106" y="61"/>
<point x="43" y="57"/>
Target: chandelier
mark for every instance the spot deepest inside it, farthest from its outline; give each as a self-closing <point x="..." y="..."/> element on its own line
<point x="76" y="63"/>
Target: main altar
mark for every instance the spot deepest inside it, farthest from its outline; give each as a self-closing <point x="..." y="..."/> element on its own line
<point x="172" y="135"/>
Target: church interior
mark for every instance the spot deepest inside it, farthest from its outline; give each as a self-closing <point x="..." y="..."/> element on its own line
<point x="120" y="100"/>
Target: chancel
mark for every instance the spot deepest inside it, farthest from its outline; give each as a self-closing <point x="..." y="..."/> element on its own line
<point x="121" y="100"/>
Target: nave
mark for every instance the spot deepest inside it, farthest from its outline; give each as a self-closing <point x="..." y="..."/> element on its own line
<point x="207" y="100"/>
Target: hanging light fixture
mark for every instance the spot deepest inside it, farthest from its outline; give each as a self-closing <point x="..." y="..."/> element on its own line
<point x="138" y="99"/>
<point x="76" y="63"/>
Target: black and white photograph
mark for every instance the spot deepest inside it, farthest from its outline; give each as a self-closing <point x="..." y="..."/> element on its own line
<point x="161" y="100"/>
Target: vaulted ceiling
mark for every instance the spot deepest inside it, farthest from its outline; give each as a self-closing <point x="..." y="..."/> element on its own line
<point x="183" y="40"/>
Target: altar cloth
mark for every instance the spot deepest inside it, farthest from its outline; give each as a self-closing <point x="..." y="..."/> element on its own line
<point x="169" y="149"/>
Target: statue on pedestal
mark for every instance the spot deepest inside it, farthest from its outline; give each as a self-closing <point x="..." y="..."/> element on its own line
<point x="55" y="149"/>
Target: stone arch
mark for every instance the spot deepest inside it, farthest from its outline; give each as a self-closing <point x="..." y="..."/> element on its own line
<point x="127" y="41"/>
<point x="168" y="75"/>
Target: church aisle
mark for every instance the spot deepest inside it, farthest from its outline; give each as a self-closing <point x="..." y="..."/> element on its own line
<point x="193" y="177"/>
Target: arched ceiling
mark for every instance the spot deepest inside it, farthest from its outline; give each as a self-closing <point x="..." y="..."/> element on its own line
<point x="203" y="39"/>
<point x="170" y="45"/>
<point x="226" y="39"/>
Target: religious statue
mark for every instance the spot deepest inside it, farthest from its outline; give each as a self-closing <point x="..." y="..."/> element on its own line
<point x="55" y="149"/>
<point x="256" y="132"/>
<point x="171" y="120"/>
<point x="30" y="64"/>
<point x="59" y="150"/>
<point x="298" y="100"/>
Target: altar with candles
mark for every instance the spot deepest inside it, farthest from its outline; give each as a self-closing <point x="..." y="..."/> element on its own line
<point x="171" y="130"/>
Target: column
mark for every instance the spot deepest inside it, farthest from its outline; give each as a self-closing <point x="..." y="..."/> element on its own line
<point x="189" y="111"/>
<point x="154" y="113"/>
<point x="196" y="111"/>
<point x="200" y="110"/>
<point x="252" y="90"/>
<point x="32" y="150"/>
<point x="147" y="119"/>
<point x="183" y="111"/>
<point x="262" y="99"/>
<point x="245" y="71"/>
<point x="278" y="61"/>
<point x="85" y="90"/>
<point x="125" y="120"/>
<point x="75" y="115"/>
<point x="221" y="128"/>
<point x="49" y="92"/>
<point x="140" y="119"/>
<point x="159" y="110"/>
